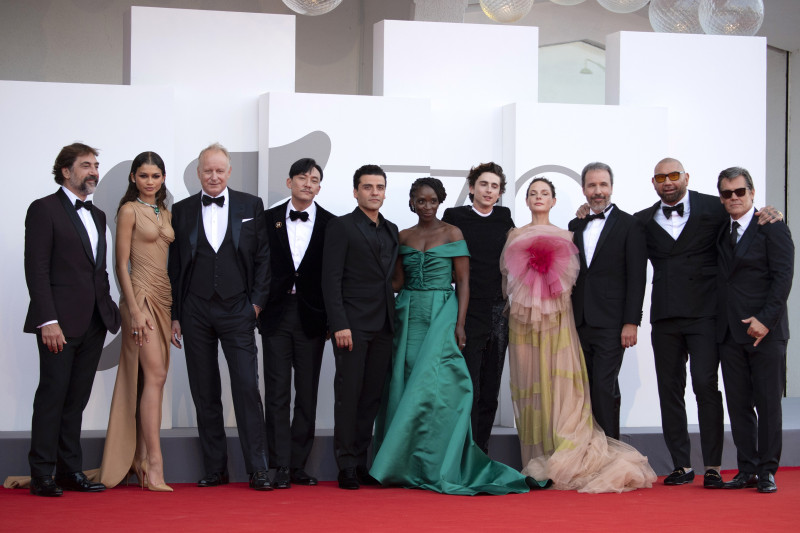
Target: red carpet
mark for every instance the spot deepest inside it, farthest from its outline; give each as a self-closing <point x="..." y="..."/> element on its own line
<point x="327" y="508"/>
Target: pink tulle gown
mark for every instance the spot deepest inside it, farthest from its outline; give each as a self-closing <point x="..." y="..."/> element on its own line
<point x="559" y="438"/>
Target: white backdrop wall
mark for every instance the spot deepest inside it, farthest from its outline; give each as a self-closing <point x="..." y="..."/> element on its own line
<point x="470" y="112"/>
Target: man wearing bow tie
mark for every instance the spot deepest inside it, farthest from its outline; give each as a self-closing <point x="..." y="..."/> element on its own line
<point x="70" y="312"/>
<point x="219" y="270"/>
<point x="294" y="323"/>
<point x="681" y="232"/>
<point x="608" y="294"/>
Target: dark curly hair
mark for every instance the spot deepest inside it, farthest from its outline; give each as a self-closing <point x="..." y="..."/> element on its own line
<point x="433" y="183"/>
<point x="541" y="178"/>
<point x="492" y="167"/>
<point x="145" y="158"/>
<point x="67" y="156"/>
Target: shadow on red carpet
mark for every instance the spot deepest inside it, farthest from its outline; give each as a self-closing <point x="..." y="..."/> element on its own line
<point x="327" y="508"/>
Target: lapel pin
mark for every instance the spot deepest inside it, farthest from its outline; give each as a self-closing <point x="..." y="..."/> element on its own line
<point x="278" y="225"/>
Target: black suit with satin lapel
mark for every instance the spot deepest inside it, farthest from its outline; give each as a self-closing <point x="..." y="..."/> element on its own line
<point x="67" y="283"/>
<point x="293" y="328"/>
<point x="608" y="294"/>
<point x="682" y="314"/>
<point x="357" y="289"/>
<point x="754" y="280"/>
<point x="218" y="317"/>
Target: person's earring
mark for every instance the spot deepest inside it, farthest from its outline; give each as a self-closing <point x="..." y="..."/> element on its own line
<point x="411" y="206"/>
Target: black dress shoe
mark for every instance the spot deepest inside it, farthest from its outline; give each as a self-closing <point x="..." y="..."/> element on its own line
<point x="282" y="480"/>
<point x="45" y="486"/>
<point x="364" y="476"/>
<point x="214" y="480"/>
<point x="742" y="480"/>
<point x="300" y="477"/>
<point x="712" y="480"/>
<point x="348" y="479"/>
<point x="679" y="476"/>
<point x="766" y="484"/>
<point x="79" y="482"/>
<point x="260" y="481"/>
<point x="534" y="485"/>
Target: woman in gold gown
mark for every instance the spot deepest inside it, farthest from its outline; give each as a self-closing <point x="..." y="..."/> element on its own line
<point x="144" y="232"/>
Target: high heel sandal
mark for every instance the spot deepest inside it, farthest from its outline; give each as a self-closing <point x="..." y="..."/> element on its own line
<point x="161" y="487"/>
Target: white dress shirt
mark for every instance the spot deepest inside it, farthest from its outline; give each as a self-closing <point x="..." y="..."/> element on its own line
<point x="743" y="221"/>
<point x="215" y="220"/>
<point x="675" y="223"/>
<point x="299" y="233"/>
<point x="591" y="234"/>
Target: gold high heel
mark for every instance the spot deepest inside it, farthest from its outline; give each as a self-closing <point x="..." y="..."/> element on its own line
<point x="134" y="470"/>
<point x="161" y="487"/>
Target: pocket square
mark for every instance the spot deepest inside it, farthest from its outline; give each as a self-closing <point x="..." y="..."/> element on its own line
<point x="246" y="220"/>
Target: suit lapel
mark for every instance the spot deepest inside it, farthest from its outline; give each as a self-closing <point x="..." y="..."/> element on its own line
<point x="101" y="240"/>
<point x="577" y="238"/>
<point x="610" y="221"/>
<point x="695" y="213"/>
<point x="317" y="235"/>
<point x="724" y="248"/>
<point x="78" y="223"/>
<point x="745" y="242"/>
<point x="281" y="230"/>
<point x="235" y="214"/>
<point x="195" y="219"/>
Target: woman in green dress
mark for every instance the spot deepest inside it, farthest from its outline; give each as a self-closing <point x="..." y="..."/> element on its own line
<point x="423" y="436"/>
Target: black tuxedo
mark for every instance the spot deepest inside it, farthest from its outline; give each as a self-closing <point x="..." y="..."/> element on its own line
<point x="607" y="295"/>
<point x="69" y="284"/>
<point x="238" y="273"/>
<point x="293" y="328"/>
<point x="682" y="313"/>
<point x="754" y="279"/>
<point x="357" y="266"/>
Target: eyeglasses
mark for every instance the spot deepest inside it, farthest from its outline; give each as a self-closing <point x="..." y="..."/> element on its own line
<point x="673" y="176"/>
<point x="738" y="192"/>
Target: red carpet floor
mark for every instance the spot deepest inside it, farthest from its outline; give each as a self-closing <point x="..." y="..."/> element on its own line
<point x="327" y="508"/>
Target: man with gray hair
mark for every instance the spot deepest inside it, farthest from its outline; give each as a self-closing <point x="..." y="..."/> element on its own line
<point x="219" y="270"/>
<point x="608" y="294"/>
<point x="756" y="266"/>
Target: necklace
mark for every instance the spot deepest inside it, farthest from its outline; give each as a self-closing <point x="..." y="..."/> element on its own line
<point x="154" y="207"/>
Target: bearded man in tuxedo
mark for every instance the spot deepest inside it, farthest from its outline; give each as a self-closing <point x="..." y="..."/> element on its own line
<point x="70" y="312"/>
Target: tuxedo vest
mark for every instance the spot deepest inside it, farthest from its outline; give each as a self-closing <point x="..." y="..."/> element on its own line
<point x="216" y="272"/>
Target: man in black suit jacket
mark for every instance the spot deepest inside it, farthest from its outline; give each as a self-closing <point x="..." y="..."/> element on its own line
<point x="485" y="226"/>
<point x="219" y="270"/>
<point x="294" y="325"/>
<point x="357" y="266"/>
<point x="681" y="232"/>
<point x="70" y="312"/>
<point x="756" y="265"/>
<point x="608" y="294"/>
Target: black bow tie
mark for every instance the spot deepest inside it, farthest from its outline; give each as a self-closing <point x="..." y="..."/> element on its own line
<point x="86" y="205"/>
<point x="294" y="215"/>
<point x="601" y="214"/>
<point x="219" y="200"/>
<point x="669" y="209"/>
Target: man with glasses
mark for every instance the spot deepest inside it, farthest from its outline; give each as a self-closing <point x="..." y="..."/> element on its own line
<point x="756" y="264"/>
<point x="681" y="231"/>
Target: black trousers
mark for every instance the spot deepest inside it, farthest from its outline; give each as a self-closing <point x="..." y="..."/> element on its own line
<point x="65" y="384"/>
<point x="288" y="348"/>
<point x="755" y="377"/>
<point x="603" y="351"/>
<point x="358" y="387"/>
<point x="205" y="324"/>
<point x="485" y="353"/>
<point x="673" y="341"/>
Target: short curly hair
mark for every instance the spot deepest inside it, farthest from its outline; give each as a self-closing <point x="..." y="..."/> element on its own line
<point x="433" y="183"/>
<point x="491" y="167"/>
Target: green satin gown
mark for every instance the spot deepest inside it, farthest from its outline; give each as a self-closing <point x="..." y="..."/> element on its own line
<point x="423" y="436"/>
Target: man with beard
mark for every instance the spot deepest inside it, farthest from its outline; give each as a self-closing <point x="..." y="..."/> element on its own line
<point x="681" y="232"/>
<point x="608" y="294"/>
<point x="70" y="312"/>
